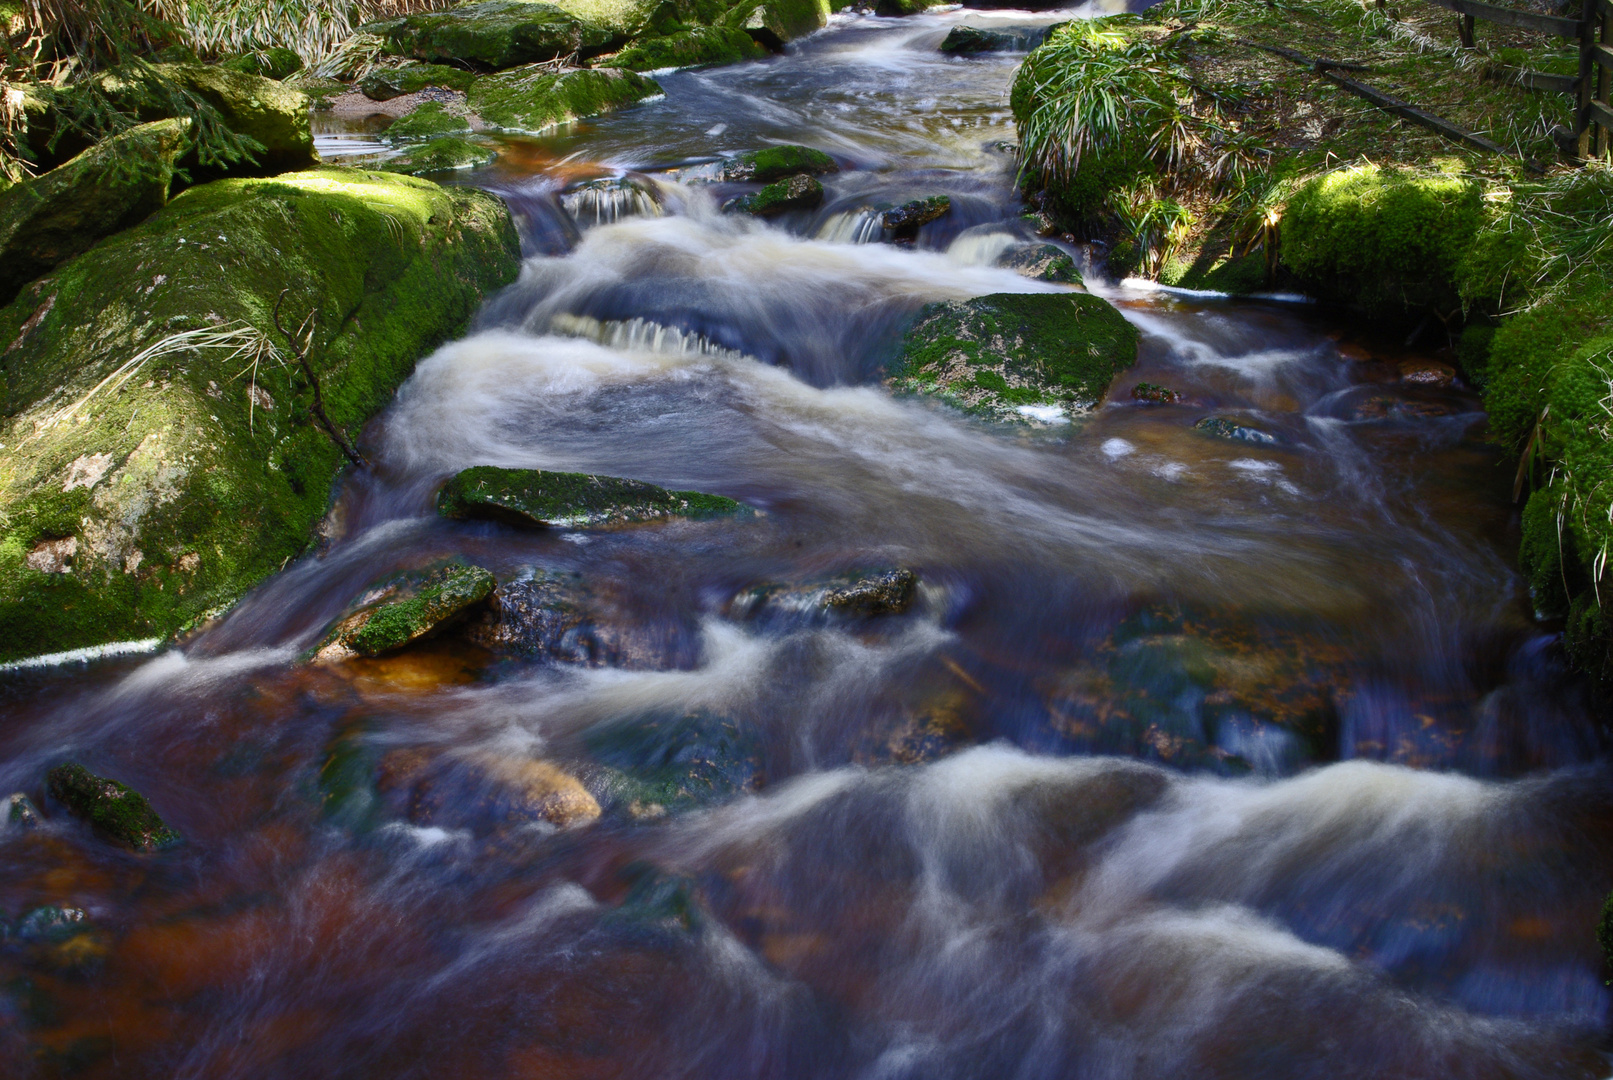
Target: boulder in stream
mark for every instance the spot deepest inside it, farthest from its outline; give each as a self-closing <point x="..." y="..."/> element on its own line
<point x="795" y="193"/>
<point x="384" y="84"/>
<point x="160" y="458"/>
<point x="1016" y="356"/>
<point x="492" y="34"/>
<point x="558" y="617"/>
<point x="536" y="97"/>
<point x="972" y="40"/>
<point x="663" y="763"/>
<point x="1042" y="262"/>
<point x="1222" y="427"/>
<point x="905" y="220"/>
<point x="1154" y="394"/>
<point x="116" y="812"/>
<point x="697" y="46"/>
<point x="777" y="163"/>
<point x="859" y="593"/>
<point x="482" y="791"/>
<point x="427" y="120"/>
<point x="406" y="610"/>
<point x="539" y="499"/>
<point x="19" y="812"/>
<point x="111" y="186"/>
<point x="441" y="155"/>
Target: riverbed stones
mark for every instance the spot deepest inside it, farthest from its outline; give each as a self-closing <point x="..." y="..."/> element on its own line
<point x="115" y="184"/>
<point x="384" y="84"/>
<point x="441" y="155"/>
<point x="492" y="34"/>
<point x="794" y="193"/>
<point x="208" y="473"/>
<point x="535" y="98"/>
<point x="557" y="617"/>
<point x="406" y="610"/>
<point x="610" y="199"/>
<point x="777" y="163"/>
<point x="542" y="499"/>
<point x="1229" y="428"/>
<point x="697" y="46"/>
<point x="973" y="40"/>
<point x="905" y="220"/>
<point x="1016" y="356"/>
<point x="1042" y="262"/>
<point x="113" y="810"/>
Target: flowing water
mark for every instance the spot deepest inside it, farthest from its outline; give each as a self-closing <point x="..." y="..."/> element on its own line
<point x="1192" y="758"/>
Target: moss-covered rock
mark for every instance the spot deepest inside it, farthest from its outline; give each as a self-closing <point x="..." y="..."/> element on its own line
<point x="1014" y="355"/>
<point x="698" y="46"/>
<point x="972" y="40"/>
<point x="898" y="8"/>
<point x="776" y="163"/>
<point x="905" y="220"/>
<point x="407" y="609"/>
<point x="859" y="593"/>
<point x="777" y="22"/>
<point x="384" y="84"/>
<point x="1386" y="241"/>
<point x="160" y="460"/>
<point x="493" y="34"/>
<point x="441" y="155"/>
<point x="793" y="193"/>
<point x="662" y="764"/>
<point x="1042" y="262"/>
<point x="107" y="188"/>
<point x="534" y="98"/>
<point x="539" y="499"/>
<point x="263" y="110"/>
<point x="427" y="120"/>
<point x="272" y="63"/>
<point x="1154" y="394"/>
<point x="1222" y="427"/>
<point x="112" y="810"/>
<point x="17" y="811"/>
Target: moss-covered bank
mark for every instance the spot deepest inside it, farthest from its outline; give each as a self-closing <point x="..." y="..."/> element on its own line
<point x="158" y="456"/>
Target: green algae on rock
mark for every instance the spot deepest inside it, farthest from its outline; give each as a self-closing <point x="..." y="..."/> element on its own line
<point x="777" y="163"/>
<point x="697" y="46"/>
<point x="1012" y="355"/>
<point x="112" y="810"/>
<point x="384" y="84"/>
<point x="160" y="458"/>
<point x="794" y="193"/>
<point x="109" y="187"/>
<point x="492" y="34"/>
<point x="441" y="155"/>
<point x="534" y="98"/>
<point x="661" y="764"/>
<point x="906" y="219"/>
<point x="1043" y="262"/>
<point x="570" y="500"/>
<point x="407" y="610"/>
<point x="426" y="121"/>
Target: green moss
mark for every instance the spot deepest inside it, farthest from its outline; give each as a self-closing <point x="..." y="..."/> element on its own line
<point x="435" y="599"/>
<point x="695" y="47"/>
<point x="495" y="34"/>
<point x="1043" y="348"/>
<point x="534" y="98"/>
<point x="426" y="121"/>
<point x="272" y="63"/>
<point x="533" y="498"/>
<point x="195" y="474"/>
<point x="776" y="163"/>
<point x="441" y="155"/>
<point x="384" y="84"/>
<point x="113" y="810"/>
<point x="794" y="193"/>
<point x="676" y="762"/>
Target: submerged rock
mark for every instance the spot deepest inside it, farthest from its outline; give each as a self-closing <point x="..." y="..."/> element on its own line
<point x="697" y="46"/>
<point x="441" y="155"/>
<point x="427" y="120"/>
<point x="662" y="764"/>
<point x="557" y="617"/>
<point x="970" y="40"/>
<point x="113" y="185"/>
<point x="1154" y="394"/>
<point x="480" y="791"/>
<point x="1222" y="427"/>
<point x="535" y="498"/>
<point x="384" y="84"/>
<point x="859" y="593"/>
<point x="534" y="98"/>
<point x="112" y="810"/>
<point x="906" y="219"/>
<point x="492" y="34"/>
<point x="796" y="193"/>
<point x="1016" y="355"/>
<point x="777" y="163"/>
<point x="20" y="812"/>
<point x="407" y="610"/>
<point x="1043" y="262"/>
<point x="169" y="472"/>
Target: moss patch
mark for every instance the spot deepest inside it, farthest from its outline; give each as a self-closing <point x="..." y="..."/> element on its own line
<point x="695" y="47"/>
<point x="426" y="121"/>
<point x="777" y="162"/>
<point x="384" y="84"/>
<point x="441" y="155"/>
<point x="495" y="34"/>
<point x="994" y="354"/>
<point x="112" y="810"/>
<point x="142" y="489"/>
<point x="410" y="609"/>
<point x="569" y="500"/>
<point x="534" y="98"/>
<point x="794" y="193"/>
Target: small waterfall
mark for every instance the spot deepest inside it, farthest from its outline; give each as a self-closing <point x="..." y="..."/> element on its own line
<point x="607" y="201"/>
<point x="641" y="335"/>
<point x="863" y="225"/>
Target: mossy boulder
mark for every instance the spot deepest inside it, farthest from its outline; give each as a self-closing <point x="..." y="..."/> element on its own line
<point x="776" y="163"/>
<point x="1016" y="356"/>
<point x="973" y="40"/>
<point x="384" y="84"/>
<point x="661" y="764"/>
<point x="273" y="115"/>
<point x="441" y="155"/>
<point x="793" y="193"/>
<point x="906" y="219"/>
<point x="427" y="120"/>
<point x="492" y="34"/>
<point x="1042" y="262"/>
<point x="160" y="457"/>
<point x="538" y="499"/>
<point x="862" y="593"/>
<point x="1386" y="241"/>
<point x="697" y="46"/>
<point x="407" y="609"/>
<point x="534" y="98"/>
<point x="272" y="63"/>
<point x="777" y="22"/>
<point x="109" y="187"/>
<point x="111" y="809"/>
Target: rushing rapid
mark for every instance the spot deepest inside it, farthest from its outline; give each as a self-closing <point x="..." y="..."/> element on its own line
<point x="1192" y="757"/>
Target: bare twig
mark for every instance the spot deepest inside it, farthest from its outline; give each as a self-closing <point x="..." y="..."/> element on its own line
<point x="301" y="353"/>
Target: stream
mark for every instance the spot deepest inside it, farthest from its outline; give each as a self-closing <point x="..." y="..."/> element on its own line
<point x="1191" y="758"/>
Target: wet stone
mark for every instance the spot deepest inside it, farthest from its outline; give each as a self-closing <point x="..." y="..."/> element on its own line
<point x="114" y="811"/>
<point x="971" y="40"/>
<point x="557" y="618"/>
<point x="481" y="791"/>
<point x="865" y="593"/>
<point x="384" y="84"/>
<point x="796" y="193"/>
<point x="1221" y="427"/>
<point x="539" y="499"/>
<point x="662" y="764"/>
<point x="19" y="812"/>
<point x="905" y="220"/>
<point x="49" y="925"/>
<point x="407" y="610"/>
<point x="1154" y="394"/>
<point x="1427" y="373"/>
<point x="777" y="163"/>
<point x="1043" y="262"/>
